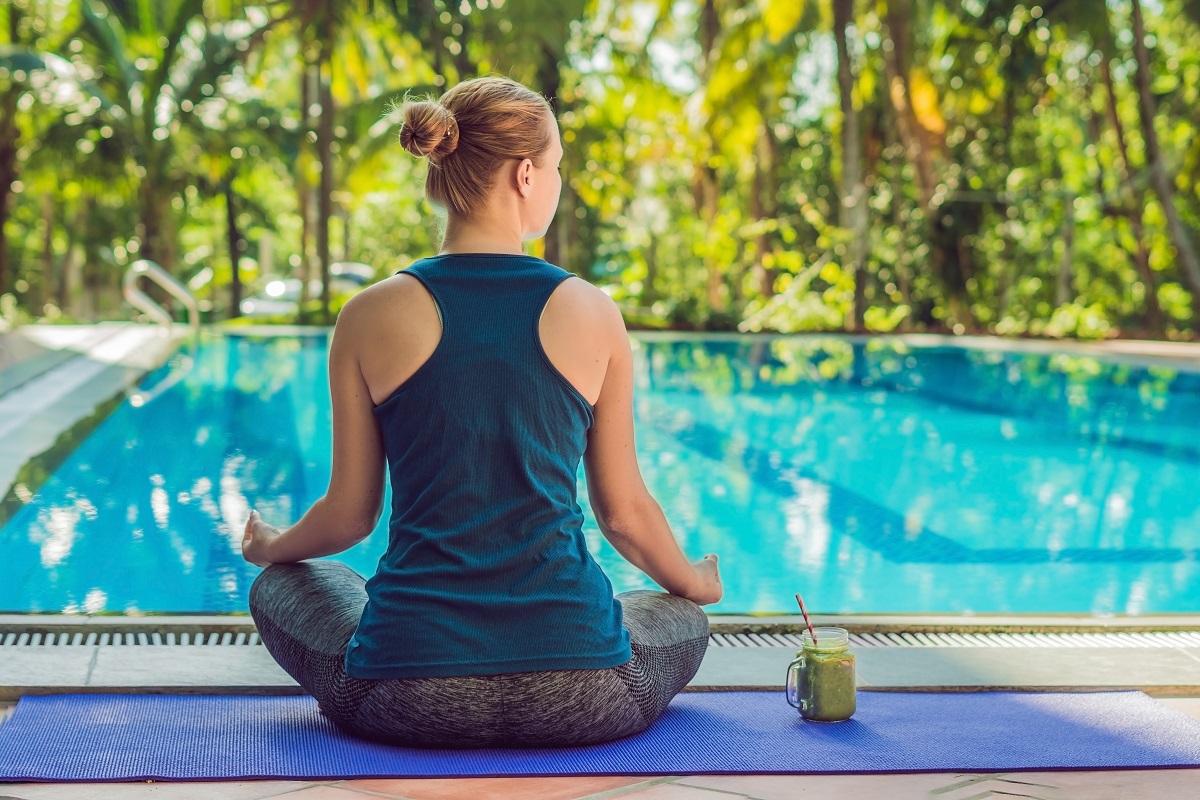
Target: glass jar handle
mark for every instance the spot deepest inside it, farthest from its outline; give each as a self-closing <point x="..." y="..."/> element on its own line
<point x="791" y="688"/>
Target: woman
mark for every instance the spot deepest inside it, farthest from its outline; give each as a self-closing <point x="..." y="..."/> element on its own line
<point x="482" y="375"/>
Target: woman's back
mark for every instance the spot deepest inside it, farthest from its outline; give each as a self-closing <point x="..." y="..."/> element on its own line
<point x="482" y="376"/>
<point x="487" y="570"/>
<point x="402" y="327"/>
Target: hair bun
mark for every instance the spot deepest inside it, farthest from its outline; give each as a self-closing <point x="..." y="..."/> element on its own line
<point x="429" y="130"/>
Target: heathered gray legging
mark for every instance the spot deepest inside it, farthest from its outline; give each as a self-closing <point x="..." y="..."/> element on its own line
<point x="306" y="613"/>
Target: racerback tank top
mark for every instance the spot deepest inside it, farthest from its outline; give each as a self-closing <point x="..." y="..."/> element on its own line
<point x="487" y="570"/>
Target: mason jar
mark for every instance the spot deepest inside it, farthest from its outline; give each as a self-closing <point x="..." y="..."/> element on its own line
<point x="820" y="681"/>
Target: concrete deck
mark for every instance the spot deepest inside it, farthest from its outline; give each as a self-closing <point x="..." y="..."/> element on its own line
<point x="202" y="669"/>
<point x="65" y="373"/>
<point x="1165" y="671"/>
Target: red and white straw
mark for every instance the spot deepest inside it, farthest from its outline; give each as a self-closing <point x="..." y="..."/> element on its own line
<point x="804" y="611"/>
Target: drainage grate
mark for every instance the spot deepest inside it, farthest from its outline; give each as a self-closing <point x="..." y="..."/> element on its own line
<point x="12" y="638"/>
<point x="246" y="636"/>
<point x="1150" y="639"/>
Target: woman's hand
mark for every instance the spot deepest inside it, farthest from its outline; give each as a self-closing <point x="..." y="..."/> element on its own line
<point x="259" y="536"/>
<point x="708" y="584"/>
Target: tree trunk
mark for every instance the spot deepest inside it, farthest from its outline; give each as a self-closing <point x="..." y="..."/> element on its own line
<point x="758" y="270"/>
<point x="1009" y="274"/>
<point x="945" y="249"/>
<point x="9" y="138"/>
<point x="303" y="190"/>
<point x="343" y="213"/>
<point x="1131" y="200"/>
<point x="1188" y="260"/>
<point x="706" y="191"/>
<point x="896" y="72"/>
<point x="715" y="278"/>
<point x="852" y="209"/>
<point x="91" y="270"/>
<point x="73" y="261"/>
<point x="649" y="290"/>
<point x="325" y="194"/>
<point x="764" y="205"/>
<point x="46" y="283"/>
<point x="234" y="241"/>
<point x="150" y="221"/>
<point x="550" y="82"/>
<point x="1063" y="290"/>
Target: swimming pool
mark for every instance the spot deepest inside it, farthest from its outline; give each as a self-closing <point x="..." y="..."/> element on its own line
<point x="870" y="476"/>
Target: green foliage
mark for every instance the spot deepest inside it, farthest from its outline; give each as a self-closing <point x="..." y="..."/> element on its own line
<point x="1006" y="189"/>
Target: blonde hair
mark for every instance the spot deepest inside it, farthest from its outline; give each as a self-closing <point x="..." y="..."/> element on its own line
<point x="470" y="132"/>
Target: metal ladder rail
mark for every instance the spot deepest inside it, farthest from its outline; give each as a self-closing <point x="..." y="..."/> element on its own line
<point x="142" y="301"/>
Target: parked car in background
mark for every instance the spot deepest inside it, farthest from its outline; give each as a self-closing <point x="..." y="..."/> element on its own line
<point x="350" y="275"/>
<point x="281" y="296"/>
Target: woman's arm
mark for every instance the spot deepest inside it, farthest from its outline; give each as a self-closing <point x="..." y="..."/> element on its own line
<point x="628" y="516"/>
<point x="351" y="507"/>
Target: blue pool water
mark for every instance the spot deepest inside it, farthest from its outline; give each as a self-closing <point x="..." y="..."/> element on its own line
<point x="870" y="477"/>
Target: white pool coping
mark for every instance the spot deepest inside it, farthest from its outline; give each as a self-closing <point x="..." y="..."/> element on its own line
<point x="1183" y="356"/>
<point x="1176" y="355"/>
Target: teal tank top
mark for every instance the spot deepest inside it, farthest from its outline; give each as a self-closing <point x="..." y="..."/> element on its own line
<point x="486" y="570"/>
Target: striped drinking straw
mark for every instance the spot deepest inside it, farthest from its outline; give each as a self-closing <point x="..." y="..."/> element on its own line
<point x="804" y="611"/>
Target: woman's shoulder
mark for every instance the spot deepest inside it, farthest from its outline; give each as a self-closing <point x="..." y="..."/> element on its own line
<point x="380" y="300"/>
<point x="579" y="300"/>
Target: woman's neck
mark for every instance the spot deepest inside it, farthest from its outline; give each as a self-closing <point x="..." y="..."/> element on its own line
<point x="481" y="234"/>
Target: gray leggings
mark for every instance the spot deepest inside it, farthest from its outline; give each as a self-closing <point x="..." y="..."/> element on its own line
<point x="306" y="613"/>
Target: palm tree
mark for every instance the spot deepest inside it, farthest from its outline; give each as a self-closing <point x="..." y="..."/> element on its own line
<point x="1189" y="262"/>
<point x="30" y="65"/>
<point x="160" y="68"/>
<point x="854" y="194"/>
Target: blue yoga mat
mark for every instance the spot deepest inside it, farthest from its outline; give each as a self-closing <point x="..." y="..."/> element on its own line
<point x="122" y="737"/>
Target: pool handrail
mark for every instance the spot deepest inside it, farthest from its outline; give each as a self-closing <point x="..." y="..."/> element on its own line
<point x="142" y="301"/>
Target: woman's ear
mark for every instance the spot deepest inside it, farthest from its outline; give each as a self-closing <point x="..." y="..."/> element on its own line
<point x="524" y="177"/>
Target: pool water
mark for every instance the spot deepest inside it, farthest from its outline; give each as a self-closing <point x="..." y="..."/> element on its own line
<point x="871" y="477"/>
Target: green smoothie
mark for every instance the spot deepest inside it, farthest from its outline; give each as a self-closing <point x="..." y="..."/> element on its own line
<point x="826" y="683"/>
<point x="824" y="677"/>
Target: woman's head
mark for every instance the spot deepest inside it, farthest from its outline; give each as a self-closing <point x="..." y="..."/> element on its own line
<point x="474" y="131"/>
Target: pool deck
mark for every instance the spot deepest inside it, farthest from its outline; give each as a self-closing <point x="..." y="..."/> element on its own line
<point x="1166" y="670"/>
<point x="54" y="378"/>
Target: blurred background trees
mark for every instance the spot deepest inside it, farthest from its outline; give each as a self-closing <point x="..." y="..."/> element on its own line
<point x="792" y="165"/>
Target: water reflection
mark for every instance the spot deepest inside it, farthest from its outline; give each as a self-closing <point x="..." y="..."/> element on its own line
<point x="1007" y="481"/>
<point x="872" y="477"/>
